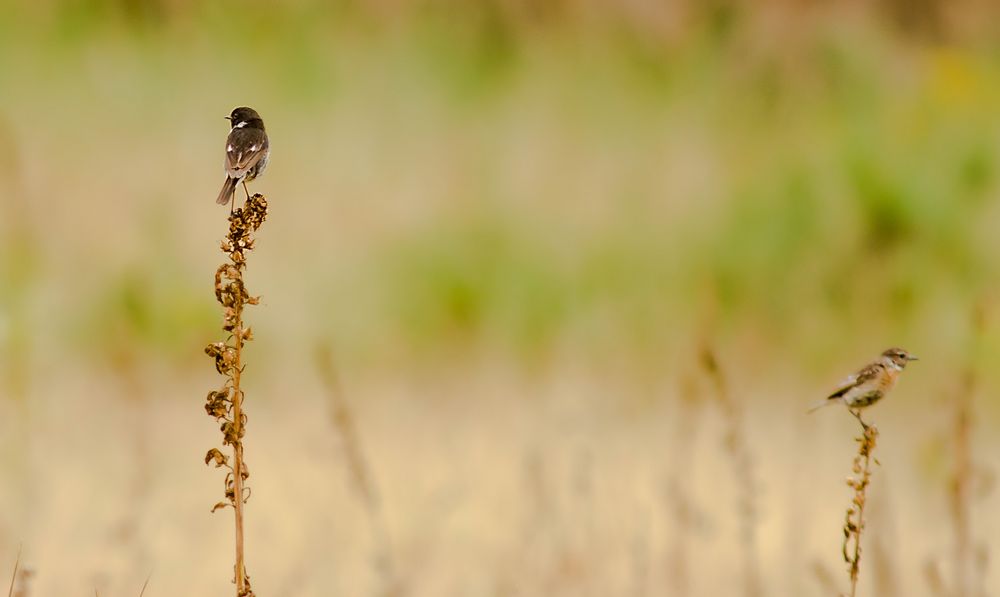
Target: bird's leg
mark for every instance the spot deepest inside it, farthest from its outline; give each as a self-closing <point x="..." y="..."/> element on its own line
<point x="245" y="189"/>
<point x="857" y="415"/>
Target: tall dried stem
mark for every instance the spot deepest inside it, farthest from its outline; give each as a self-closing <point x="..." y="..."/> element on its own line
<point x="854" y="521"/>
<point x="226" y="403"/>
<point x="361" y="475"/>
<point x="967" y="571"/>
<point x="13" y="576"/>
<point x="738" y="451"/>
<point x="20" y="579"/>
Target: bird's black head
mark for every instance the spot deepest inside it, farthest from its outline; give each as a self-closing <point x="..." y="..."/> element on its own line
<point x="249" y="116"/>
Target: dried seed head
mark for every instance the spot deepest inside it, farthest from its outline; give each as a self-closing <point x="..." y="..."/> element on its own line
<point x="225" y="404"/>
<point x="217" y="403"/>
<point x="854" y="522"/>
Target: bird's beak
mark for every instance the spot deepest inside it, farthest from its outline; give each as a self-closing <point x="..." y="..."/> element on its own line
<point x="912" y="358"/>
<point x="230" y="118"/>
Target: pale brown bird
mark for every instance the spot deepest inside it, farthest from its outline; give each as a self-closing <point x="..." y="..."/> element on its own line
<point x="871" y="383"/>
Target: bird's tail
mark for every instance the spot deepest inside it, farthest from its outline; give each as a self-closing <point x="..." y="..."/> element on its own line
<point x="819" y="405"/>
<point x="226" y="194"/>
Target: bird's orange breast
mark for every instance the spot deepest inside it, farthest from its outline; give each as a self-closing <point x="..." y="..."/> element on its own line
<point x="887" y="380"/>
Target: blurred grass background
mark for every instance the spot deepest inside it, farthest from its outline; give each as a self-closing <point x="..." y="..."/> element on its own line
<point x="516" y="224"/>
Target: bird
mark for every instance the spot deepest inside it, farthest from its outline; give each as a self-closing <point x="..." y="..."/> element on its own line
<point x="871" y="383"/>
<point x="247" y="152"/>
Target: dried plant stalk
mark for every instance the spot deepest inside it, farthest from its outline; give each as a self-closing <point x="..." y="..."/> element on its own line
<point x="959" y="487"/>
<point x="361" y="474"/>
<point x="854" y="521"/>
<point x="13" y="576"/>
<point x="967" y="571"/>
<point x="226" y="404"/>
<point x="738" y="450"/>
<point x="20" y="579"/>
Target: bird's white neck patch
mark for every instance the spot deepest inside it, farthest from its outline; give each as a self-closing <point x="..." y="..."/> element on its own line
<point x="894" y="364"/>
<point x="242" y="124"/>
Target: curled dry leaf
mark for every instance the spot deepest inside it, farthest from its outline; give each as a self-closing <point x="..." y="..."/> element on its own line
<point x="217" y="456"/>
<point x="217" y="403"/>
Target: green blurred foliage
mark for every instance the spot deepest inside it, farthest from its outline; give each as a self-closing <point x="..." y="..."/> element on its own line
<point x="849" y="170"/>
<point x="150" y="309"/>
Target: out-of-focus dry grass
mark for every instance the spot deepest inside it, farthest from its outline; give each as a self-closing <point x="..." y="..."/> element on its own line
<point x="514" y="239"/>
<point x="541" y="489"/>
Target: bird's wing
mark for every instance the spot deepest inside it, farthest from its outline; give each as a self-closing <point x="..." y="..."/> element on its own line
<point x="244" y="148"/>
<point x="867" y="374"/>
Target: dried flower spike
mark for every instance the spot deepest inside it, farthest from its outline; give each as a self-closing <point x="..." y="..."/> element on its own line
<point x="854" y="520"/>
<point x="225" y="405"/>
